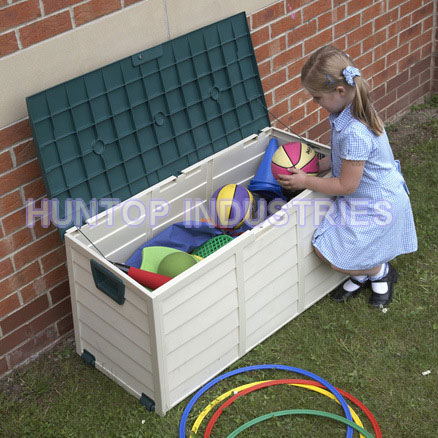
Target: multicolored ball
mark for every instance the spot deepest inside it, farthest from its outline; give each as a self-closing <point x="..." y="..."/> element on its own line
<point x="231" y="205"/>
<point x="298" y="155"/>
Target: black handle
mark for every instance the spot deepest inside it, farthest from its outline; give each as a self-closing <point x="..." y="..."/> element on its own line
<point x="107" y="282"/>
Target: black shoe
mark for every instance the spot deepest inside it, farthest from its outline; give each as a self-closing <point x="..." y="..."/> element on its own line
<point x="340" y="294"/>
<point x="390" y="278"/>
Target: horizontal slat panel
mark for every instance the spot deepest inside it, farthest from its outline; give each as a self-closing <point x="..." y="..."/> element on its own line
<point x="116" y="362"/>
<point x="126" y="316"/>
<point x="133" y="343"/>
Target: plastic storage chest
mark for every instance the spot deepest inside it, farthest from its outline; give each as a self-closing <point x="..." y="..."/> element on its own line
<point x="167" y="125"/>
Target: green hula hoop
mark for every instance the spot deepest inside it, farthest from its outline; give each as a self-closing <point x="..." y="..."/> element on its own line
<point x="299" y="412"/>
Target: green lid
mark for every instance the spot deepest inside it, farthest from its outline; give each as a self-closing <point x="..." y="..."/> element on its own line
<point x="118" y="130"/>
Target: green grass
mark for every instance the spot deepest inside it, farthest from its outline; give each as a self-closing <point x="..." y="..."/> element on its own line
<point x="378" y="357"/>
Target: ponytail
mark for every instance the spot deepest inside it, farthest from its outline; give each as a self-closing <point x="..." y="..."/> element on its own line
<point x="363" y="109"/>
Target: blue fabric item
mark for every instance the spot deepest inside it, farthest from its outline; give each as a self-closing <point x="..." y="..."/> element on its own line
<point x="185" y="236"/>
<point x="374" y="224"/>
<point x="349" y="74"/>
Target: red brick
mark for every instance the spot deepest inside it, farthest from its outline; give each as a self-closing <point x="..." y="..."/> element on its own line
<point x="46" y="28"/>
<point x="52" y="315"/>
<point x="19" y="279"/>
<point x="300" y="33"/>
<point x="8" y="43"/>
<point x="15" y="133"/>
<point x="397" y="107"/>
<point x="11" y="243"/>
<point x="394" y="4"/>
<point x="410" y="33"/>
<point x="299" y="98"/>
<point x="94" y="9"/>
<point x="409" y="61"/>
<point x="8" y="343"/>
<point x="279" y="110"/>
<point x="387" y="47"/>
<point x="36" y="249"/>
<point x="420" y="41"/>
<point x="265" y="68"/>
<point x="317" y="41"/>
<point x="65" y="325"/>
<point x="25" y="314"/>
<point x="354" y="6"/>
<point x="422" y="13"/>
<point x="6" y="268"/>
<point x="260" y="36"/>
<point x="41" y="230"/>
<point x="347" y="25"/>
<point x="386" y="19"/>
<point x="295" y="68"/>
<point x="19" y="176"/>
<point x="267" y="15"/>
<point x="396" y="81"/>
<point x="60" y="292"/>
<point x="284" y="25"/>
<point x="363" y="34"/>
<point x="387" y="100"/>
<point x="16" y="14"/>
<point x="420" y="67"/>
<point x="320" y="129"/>
<point x="56" y="5"/>
<point x="426" y="50"/>
<point x="270" y="49"/>
<point x="364" y="60"/>
<point x="315" y="9"/>
<point x="372" y="41"/>
<point x="410" y="6"/>
<point x="3" y="363"/>
<point x="384" y="75"/>
<point x="269" y="98"/>
<point x="24" y="152"/>
<point x="374" y="68"/>
<point x="10" y="203"/>
<point x="396" y="55"/>
<point x="5" y="161"/>
<point x="55" y="258"/>
<point x="8" y="305"/>
<point x="274" y="80"/>
<point x="311" y="107"/>
<point x="35" y="190"/>
<point x="408" y="86"/>
<point x="398" y="26"/>
<point x="287" y="57"/>
<point x="302" y="125"/>
<point x="428" y="24"/>
<point x="286" y="89"/>
<point x="33" y="346"/>
<point x="14" y="221"/>
<point x="372" y="12"/>
<point x="131" y="2"/>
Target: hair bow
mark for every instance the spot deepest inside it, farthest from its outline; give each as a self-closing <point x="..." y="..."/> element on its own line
<point x="349" y="73"/>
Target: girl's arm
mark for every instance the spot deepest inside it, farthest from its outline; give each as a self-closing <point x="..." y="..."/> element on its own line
<point x="345" y="184"/>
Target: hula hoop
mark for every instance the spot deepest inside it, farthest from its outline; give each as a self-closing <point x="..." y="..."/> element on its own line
<point x="299" y="412"/>
<point x="253" y="388"/>
<point x="331" y="388"/>
<point x="306" y="384"/>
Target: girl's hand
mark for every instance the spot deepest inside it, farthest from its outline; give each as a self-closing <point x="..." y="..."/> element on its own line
<point x="295" y="181"/>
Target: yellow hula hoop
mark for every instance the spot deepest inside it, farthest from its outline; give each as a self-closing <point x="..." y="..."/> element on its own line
<point x="233" y="391"/>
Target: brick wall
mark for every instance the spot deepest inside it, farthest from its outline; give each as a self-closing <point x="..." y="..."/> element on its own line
<point x="391" y="40"/>
<point x="24" y="23"/>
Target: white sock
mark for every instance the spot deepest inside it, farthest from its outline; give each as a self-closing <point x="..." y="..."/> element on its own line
<point x="380" y="288"/>
<point x="349" y="286"/>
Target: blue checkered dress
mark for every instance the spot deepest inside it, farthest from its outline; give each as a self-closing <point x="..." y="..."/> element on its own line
<point x="375" y="223"/>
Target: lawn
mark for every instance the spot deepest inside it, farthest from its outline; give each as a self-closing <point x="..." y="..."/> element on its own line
<point x="377" y="356"/>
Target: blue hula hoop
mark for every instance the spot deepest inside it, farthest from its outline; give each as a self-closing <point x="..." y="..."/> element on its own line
<point x="331" y="388"/>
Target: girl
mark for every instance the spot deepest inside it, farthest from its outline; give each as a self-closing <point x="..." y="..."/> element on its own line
<point x="370" y="221"/>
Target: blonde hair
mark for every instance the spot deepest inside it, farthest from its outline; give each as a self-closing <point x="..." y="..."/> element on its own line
<point x="322" y="73"/>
